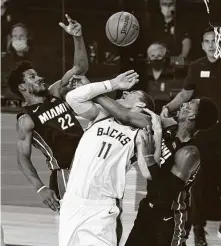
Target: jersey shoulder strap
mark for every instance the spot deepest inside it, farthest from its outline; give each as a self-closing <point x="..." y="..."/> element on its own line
<point x="23" y="111"/>
<point x="170" y="132"/>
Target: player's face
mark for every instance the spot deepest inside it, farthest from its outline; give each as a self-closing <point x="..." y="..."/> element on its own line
<point x="130" y="99"/>
<point x="189" y="109"/>
<point x="34" y="84"/>
<point x="208" y="44"/>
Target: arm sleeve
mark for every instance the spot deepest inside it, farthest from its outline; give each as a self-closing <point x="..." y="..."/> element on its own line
<point x="190" y="80"/>
<point x="79" y="98"/>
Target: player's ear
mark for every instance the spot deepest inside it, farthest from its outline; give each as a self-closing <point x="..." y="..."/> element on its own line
<point x="192" y="117"/>
<point x="202" y="46"/>
<point x="22" y="87"/>
<point x="141" y="105"/>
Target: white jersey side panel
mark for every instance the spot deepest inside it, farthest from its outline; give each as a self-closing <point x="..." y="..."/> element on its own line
<point x="99" y="166"/>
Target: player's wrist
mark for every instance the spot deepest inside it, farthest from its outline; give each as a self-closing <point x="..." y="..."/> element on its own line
<point x="150" y="159"/>
<point x="114" y="84"/>
<point x="167" y="108"/>
<point x="41" y="188"/>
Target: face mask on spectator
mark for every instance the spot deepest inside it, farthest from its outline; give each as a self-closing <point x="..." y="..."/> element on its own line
<point x="20" y="45"/>
<point x="157" y="64"/>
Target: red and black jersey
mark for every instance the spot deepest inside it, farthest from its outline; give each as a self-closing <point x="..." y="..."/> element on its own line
<point x="56" y="133"/>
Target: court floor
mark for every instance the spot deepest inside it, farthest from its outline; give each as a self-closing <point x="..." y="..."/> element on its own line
<point x="24" y="218"/>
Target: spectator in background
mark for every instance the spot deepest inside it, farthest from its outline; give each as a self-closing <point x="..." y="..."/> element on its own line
<point x="5" y="26"/>
<point x="159" y="75"/>
<point x="21" y="48"/>
<point x="174" y="36"/>
<point x="18" y="49"/>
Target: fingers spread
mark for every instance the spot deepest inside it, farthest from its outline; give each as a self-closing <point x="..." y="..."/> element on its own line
<point x="62" y="25"/>
<point x="132" y="75"/>
<point x="68" y="18"/>
<point x="128" y="72"/>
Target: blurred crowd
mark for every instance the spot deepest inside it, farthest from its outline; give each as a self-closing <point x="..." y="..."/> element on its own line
<point x="169" y="39"/>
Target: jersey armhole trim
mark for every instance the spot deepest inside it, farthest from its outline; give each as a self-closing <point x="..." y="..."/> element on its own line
<point x="102" y="119"/>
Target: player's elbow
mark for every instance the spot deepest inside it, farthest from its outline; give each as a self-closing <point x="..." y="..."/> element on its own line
<point x="81" y="68"/>
<point x="186" y="95"/>
<point x="72" y="98"/>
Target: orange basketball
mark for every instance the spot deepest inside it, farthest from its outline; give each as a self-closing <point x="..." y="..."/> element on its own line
<point x="122" y="28"/>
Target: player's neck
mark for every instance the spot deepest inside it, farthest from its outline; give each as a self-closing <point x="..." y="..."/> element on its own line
<point x="34" y="100"/>
<point x="183" y="134"/>
<point x="212" y="59"/>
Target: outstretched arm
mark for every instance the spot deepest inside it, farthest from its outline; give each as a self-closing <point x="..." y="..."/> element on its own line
<point x="80" y="66"/>
<point x="25" y="127"/>
<point x="125" y="115"/>
<point x="79" y="99"/>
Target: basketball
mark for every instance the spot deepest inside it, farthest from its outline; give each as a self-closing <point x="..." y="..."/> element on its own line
<point x="122" y="28"/>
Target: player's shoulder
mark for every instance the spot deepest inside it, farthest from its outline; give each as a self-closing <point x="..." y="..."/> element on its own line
<point x="190" y="152"/>
<point x="25" y="122"/>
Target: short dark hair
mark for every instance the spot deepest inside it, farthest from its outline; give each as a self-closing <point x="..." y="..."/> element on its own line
<point x="208" y="114"/>
<point x="207" y="29"/>
<point x="16" y="77"/>
<point x="20" y="24"/>
<point x="148" y="100"/>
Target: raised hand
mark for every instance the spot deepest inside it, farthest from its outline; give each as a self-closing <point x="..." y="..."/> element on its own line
<point x="126" y="80"/>
<point x="155" y="119"/>
<point x="73" y="28"/>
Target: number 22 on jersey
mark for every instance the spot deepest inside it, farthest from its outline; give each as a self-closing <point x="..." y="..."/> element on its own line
<point x="65" y="122"/>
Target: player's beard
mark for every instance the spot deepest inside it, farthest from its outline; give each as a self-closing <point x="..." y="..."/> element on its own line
<point x="41" y="93"/>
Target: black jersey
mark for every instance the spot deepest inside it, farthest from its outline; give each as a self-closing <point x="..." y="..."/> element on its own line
<point x="56" y="133"/>
<point x="170" y="145"/>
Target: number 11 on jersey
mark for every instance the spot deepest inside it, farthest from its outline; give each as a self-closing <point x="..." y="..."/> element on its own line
<point x="104" y="149"/>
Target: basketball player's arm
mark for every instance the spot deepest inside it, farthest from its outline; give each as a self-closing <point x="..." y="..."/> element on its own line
<point x="80" y="98"/>
<point x="25" y="127"/>
<point x="80" y="64"/>
<point x="169" y="185"/>
<point x="184" y="95"/>
<point x="125" y="115"/>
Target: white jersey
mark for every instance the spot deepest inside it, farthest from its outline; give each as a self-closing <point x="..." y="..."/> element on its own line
<point x="101" y="160"/>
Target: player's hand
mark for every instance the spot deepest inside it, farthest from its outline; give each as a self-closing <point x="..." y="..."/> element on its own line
<point x="146" y="141"/>
<point x="155" y="120"/>
<point x="164" y="113"/>
<point x="73" y="28"/>
<point x="49" y="198"/>
<point x="126" y="80"/>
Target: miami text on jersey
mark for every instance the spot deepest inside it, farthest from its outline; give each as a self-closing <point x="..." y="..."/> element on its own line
<point x="165" y="152"/>
<point x="52" y="113"/>
<point x="113" y="133"/>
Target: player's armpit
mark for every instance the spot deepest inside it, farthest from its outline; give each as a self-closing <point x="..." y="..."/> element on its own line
<point x="187" y="159"/>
